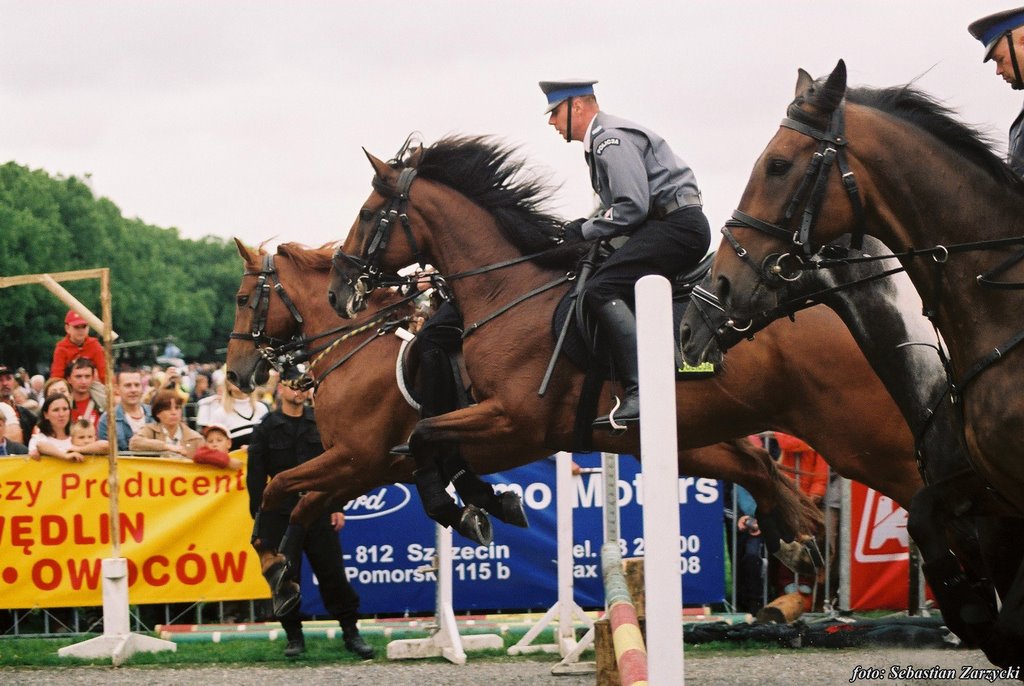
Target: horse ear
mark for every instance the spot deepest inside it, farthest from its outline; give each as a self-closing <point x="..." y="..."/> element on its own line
<point x="415" y="156"/>
<point x="803" y="82"/>
<point x="834" y="90"/>
<point x="245" y="252"/>
<point x="381" y="168"/>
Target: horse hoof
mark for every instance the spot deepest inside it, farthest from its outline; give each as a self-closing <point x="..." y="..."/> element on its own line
<point x="285" y="593"/>
<point x="512" y="510"/>
<point x="286" y="598"/>
<point x="474" y="525"/>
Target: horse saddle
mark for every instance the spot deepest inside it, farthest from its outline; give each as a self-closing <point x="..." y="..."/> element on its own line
<point x="585" y="349"/>
<point x="408" y="365"/>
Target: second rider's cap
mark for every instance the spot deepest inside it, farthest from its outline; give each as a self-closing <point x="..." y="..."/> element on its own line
<point x="557" y="91"/>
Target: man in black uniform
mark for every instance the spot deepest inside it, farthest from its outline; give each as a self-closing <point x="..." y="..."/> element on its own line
<point x="1002" y="34"/>
<point x="649" y="199"/>
<point x="285" y="438"/>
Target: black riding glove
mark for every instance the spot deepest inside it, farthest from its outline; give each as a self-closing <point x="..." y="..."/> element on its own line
<point x="572" y="232"/>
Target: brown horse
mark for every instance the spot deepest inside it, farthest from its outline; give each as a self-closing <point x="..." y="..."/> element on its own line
<point x="913" y="176"/>
<point x="361" y="411"/>
<point x="462" y="208"/>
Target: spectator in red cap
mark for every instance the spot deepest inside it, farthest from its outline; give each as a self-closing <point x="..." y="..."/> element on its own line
<point x="77" y="343"/>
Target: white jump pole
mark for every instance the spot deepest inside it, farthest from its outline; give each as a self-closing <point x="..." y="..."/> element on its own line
<point x="663" y="580"/>
<point x="565" y="608"/>
<point x="446" y="641"/>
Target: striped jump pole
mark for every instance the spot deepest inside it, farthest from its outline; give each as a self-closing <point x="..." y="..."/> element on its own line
<point x="630" y="653"/>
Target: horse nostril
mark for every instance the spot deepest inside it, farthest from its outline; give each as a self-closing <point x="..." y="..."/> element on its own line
<point x="722" y="291"/>
<point x="332" y="298"/>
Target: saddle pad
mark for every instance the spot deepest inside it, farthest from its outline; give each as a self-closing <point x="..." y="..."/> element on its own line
<point x="588" y="355"/>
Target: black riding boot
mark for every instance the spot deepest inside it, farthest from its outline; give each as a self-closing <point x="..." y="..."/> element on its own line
<point x="619" y="330"/>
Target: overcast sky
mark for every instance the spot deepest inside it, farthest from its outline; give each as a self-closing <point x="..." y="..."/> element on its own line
<point x="247" y="118"/>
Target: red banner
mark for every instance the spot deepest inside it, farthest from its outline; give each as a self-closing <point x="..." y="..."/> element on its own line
<point x="879" y="563"/>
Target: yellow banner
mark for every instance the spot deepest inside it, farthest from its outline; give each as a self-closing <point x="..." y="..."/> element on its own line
<point x="184" y="529"/>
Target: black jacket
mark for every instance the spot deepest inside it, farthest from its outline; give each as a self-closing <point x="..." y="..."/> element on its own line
<point x="278" y="443"/>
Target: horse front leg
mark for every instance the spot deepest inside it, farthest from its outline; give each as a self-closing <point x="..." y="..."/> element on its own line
<point x="1004" y="646"/>
<point x="967" y="614"/>
<point x="435" y="446"/>
<point x="279" y="552"/>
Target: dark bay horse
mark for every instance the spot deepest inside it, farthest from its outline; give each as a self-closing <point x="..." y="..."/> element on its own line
<point x="361" y="410"/>
<point x="882" y="310"/>
<point x="457" y="205"/>
<point x="932" y="190"/>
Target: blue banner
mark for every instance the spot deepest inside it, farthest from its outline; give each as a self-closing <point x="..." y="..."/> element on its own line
<point x="389" y="545"/>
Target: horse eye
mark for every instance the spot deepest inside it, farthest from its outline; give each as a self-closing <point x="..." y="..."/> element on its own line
<point x="365" y="214"/>
<point x="241" y="300"/>
<point x="778" y="167"/>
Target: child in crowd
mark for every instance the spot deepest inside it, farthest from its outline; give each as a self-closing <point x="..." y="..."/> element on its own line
<point x="83" y="433"/>
<point x="215" y="452"/>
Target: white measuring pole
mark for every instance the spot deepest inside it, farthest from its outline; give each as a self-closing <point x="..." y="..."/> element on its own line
<point x="660" y="479"/>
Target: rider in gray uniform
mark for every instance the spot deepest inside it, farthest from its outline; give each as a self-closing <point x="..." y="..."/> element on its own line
<point x="1002" y="34"/>
<point x="648" y="196"/>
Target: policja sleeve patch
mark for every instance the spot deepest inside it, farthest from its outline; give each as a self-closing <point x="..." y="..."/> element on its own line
<point x="605" y="143"/>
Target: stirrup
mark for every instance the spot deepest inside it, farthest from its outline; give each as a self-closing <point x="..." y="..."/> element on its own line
<point x="616" y="425"/>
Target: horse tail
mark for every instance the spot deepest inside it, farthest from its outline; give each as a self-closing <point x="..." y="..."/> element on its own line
<point x="792" y="508"/>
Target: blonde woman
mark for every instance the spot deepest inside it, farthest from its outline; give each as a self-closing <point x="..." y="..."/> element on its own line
<point x="239" y="411"/>
<point x="168" y="434"/>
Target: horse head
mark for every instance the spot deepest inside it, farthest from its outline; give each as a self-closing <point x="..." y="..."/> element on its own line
<point x="789" y="195"/>
<point x="368" y="257"/>
<point x="265" y="319"/>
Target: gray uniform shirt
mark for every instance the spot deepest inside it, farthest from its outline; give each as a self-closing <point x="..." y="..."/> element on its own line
<point x="635" y="174"/>
<point x="1015" y="157"/>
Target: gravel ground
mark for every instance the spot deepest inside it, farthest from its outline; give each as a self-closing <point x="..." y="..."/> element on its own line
<point x="787" y="667"/>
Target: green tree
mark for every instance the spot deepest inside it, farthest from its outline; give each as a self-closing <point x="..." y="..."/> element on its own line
<point x="161" y="284"/>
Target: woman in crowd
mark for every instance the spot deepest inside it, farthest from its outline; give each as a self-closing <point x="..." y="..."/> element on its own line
<point x="56" y="386"/>
<point x="53" y="435"/>
<point x="168" y="434"/>
<point x="239" y="411"/>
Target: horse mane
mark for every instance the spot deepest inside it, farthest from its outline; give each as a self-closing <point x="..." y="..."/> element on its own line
<point x="313" y="259"/>
<point x="923" y="111"/>
<point x="319" y="260"/>
<point x="492" y="175"/>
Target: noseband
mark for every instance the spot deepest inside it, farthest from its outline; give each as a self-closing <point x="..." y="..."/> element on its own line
<point x="777" y="268"/>
<point x="270" y="349"/>
<point x="371" y="275"/>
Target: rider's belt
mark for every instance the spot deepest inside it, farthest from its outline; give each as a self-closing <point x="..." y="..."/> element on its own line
<point x="677" y="203"/>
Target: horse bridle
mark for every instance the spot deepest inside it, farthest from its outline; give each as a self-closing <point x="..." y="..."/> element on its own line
<point x="269" y="348"/>
<point x="831" y="152"/>
<point x="371" y="275"/>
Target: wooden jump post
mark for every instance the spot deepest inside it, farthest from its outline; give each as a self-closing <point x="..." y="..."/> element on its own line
<point x="117" y="641"/>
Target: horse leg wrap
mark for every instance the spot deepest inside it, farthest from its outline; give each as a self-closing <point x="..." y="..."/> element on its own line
<point x="291" y="543"/>
<point x="507" y="506"/>
<point x="966" y="612"/>
<point x="438" y="505"/>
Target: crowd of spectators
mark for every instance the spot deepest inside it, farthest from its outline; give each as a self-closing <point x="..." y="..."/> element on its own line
<point x="165" y="410"/>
